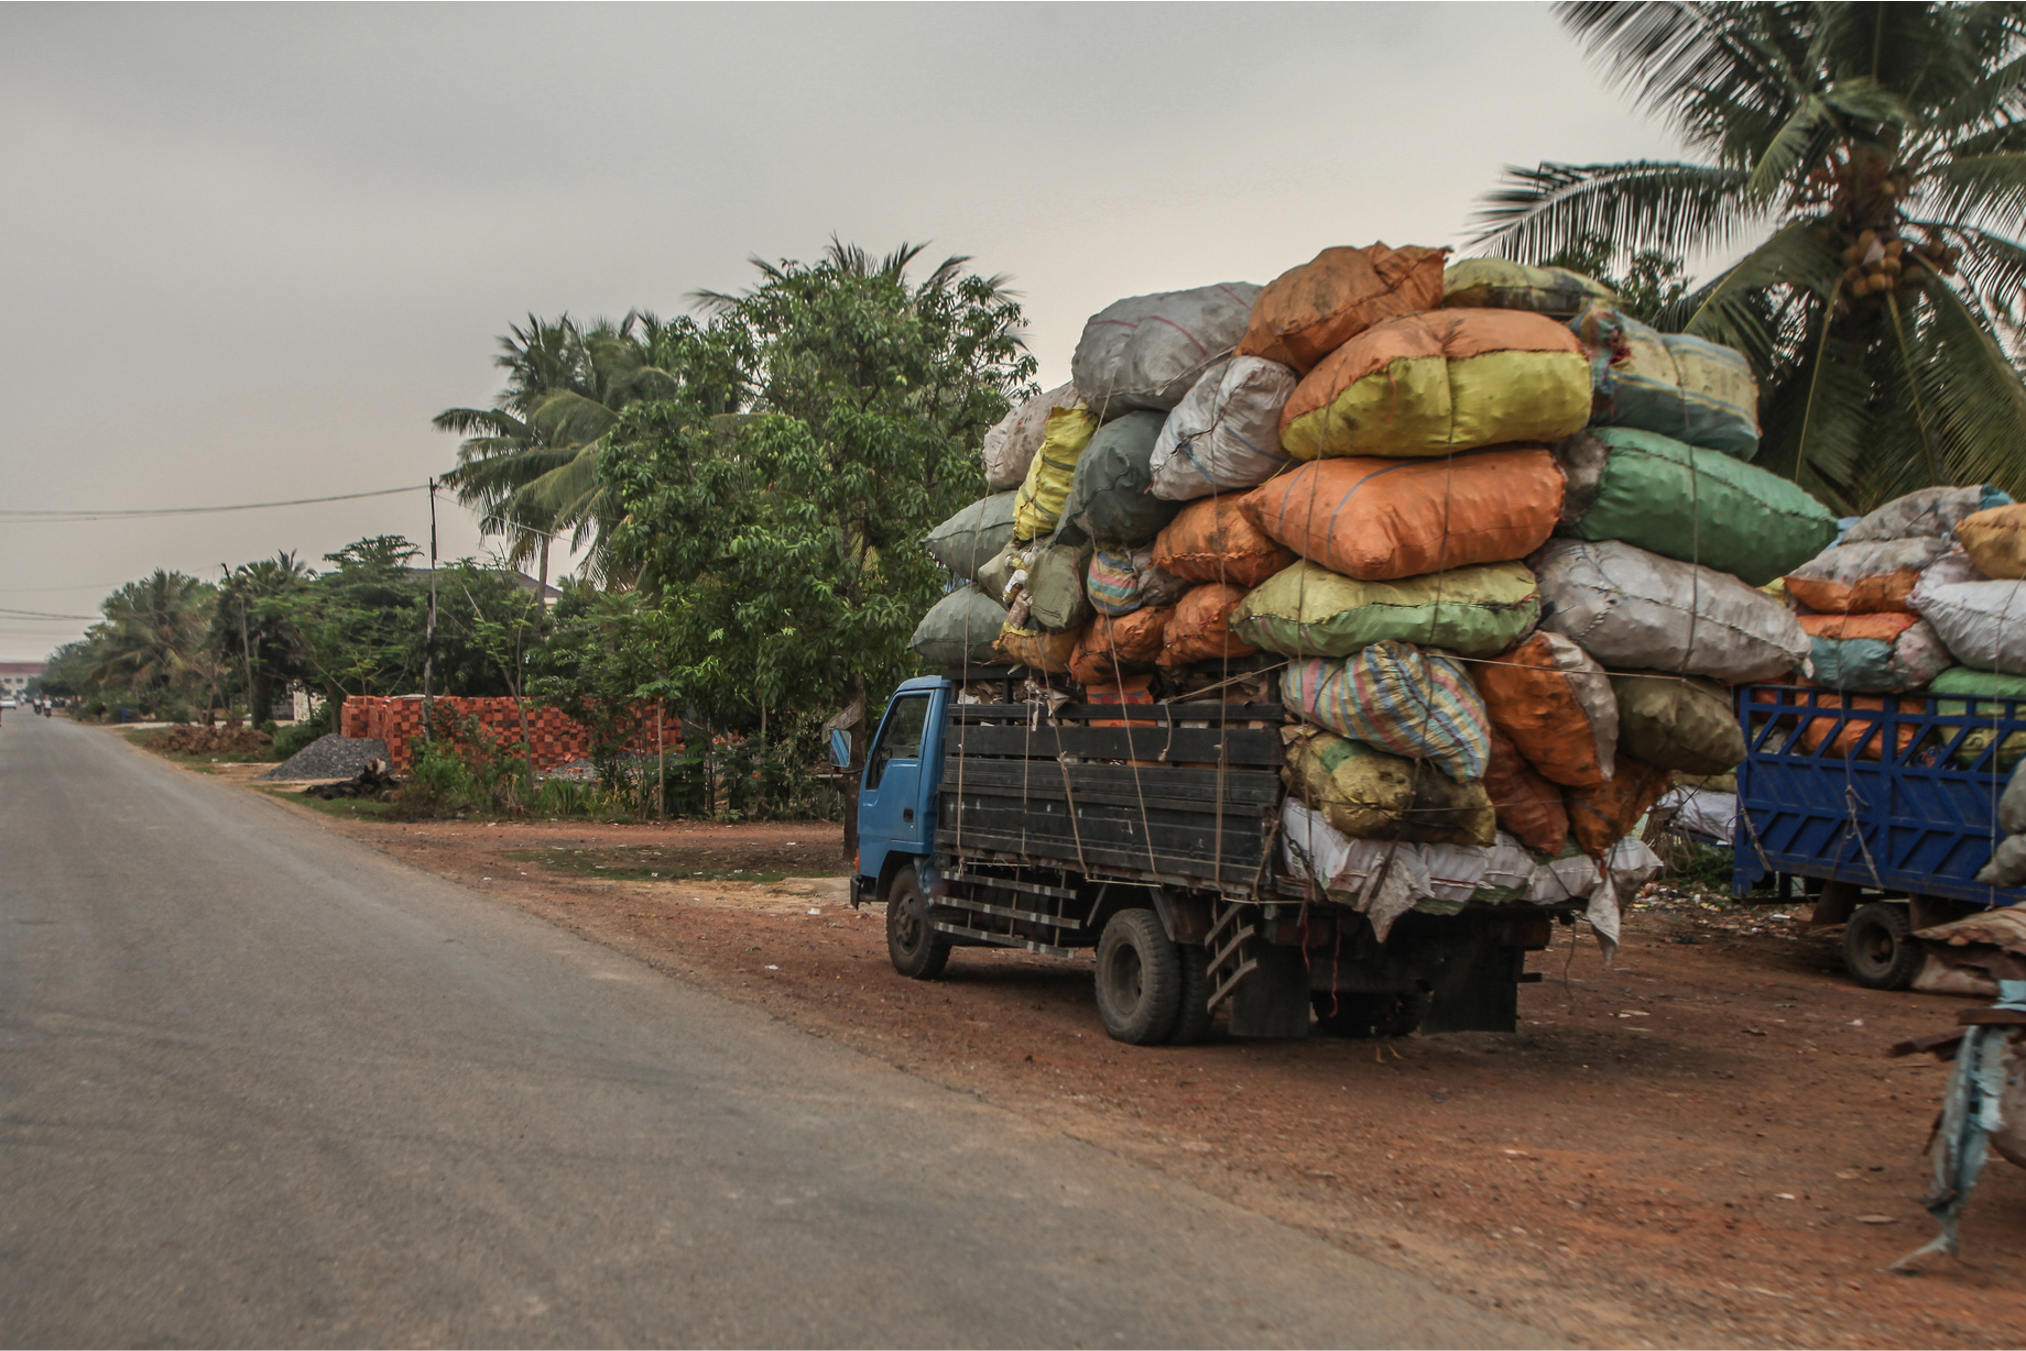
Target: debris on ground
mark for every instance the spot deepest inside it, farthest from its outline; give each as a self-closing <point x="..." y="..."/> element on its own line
<point x="195" y="740"/>
<point x="329" y="757"/>
<point x="372" y="782"/>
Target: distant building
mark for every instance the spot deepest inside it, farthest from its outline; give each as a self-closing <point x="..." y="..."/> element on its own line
<point x="15" y="675"/>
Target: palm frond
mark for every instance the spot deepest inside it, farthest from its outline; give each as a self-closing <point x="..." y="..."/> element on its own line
<point x="1971" y="391"/>
<point x="1679" y="208"/>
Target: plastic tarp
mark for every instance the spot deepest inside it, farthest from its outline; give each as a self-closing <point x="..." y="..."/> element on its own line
<point x="1213" y="541"/>
<point x="1370" y="794"/>
<point x="1038" y="506"/>
<point x="1377" y="519"/>
<point x="1435" y="383"/>
<point x="1012" y="442"/>
<point x="1930" y="513"/>
<point x="1685" y="387"/>
<point x="1399" y="698"/>
<point x="1308" y="312"/>
<point x="1874" y="654"/>
<point x="1501" y="284"/>
<point x="1702" y="811"/>
<point x="1700" y="506"/>
<point x="1678" y="722"/>
<point x="1308" y="611"/>
<point x="1995" y="540"/>
<point x="1869" y="577"/>
<point x="1149" y="351"/>
<point x="1983" y="623"/>
<point x="1630" y="608"/>
<point x="961" y="629"/>
<point x="1108" y="498"/>
<point x="1225" y="433"/>
<point x="968" y="540"/>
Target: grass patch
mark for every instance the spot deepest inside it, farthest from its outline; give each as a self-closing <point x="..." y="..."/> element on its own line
<point x="344" y="808"/>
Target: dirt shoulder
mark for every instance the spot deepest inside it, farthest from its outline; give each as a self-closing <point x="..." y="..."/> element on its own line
<point x="1701" y="1145"/>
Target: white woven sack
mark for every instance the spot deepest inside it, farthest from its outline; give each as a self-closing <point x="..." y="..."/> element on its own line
<point x="1225" y="433"/>
<point x="1924" y="513"/>
<point x="1629" y="608"/>
<point x="1014" y="440"/>
<point x="1147" y="351"/>
<point x="1982" y="623"/>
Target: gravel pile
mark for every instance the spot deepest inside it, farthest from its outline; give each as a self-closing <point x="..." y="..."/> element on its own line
<point x="330" y="756"/>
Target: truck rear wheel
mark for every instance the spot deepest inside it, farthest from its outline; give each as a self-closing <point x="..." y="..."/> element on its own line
<point x="1139" y="978"/>
<point x="1877" y="948"/>
<point x="917" y="950"/>
<point x="1194" y="1014"/>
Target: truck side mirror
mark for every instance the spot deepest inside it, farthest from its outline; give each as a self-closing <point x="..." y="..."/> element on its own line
<point x="840" y="748"/>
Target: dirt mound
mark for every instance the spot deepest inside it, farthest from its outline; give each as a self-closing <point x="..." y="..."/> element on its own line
<point x="242" y="741"/>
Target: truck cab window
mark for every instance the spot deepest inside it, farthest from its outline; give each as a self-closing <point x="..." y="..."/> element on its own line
<point x="901" y="738"/>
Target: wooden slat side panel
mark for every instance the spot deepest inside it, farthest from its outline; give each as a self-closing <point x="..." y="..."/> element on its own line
<point x="1200" y="746"/>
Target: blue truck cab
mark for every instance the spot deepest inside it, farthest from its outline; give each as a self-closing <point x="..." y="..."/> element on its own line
<point x="898" y="792"/>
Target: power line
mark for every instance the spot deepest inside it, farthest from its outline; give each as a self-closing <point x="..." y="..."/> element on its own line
<point x="94" y="514"/>
<point x="43" y="614"/>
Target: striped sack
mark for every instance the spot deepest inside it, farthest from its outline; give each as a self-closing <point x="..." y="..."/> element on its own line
<point x="1399" y="698"/>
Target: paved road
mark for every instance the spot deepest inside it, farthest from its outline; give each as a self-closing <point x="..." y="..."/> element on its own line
<point x="261" y="1085"/>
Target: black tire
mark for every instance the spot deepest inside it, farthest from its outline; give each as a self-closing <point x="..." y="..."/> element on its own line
<point x="1876" y="948"/>
<point x="1139" y="978"/>
<point x="916" y="950"/>
<point x="1193" y="1014"/>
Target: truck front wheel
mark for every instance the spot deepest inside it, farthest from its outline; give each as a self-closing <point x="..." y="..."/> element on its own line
<point x="917" y="950"/>
<point x="1877" y="948"/>
<point x="1139" y="978"/>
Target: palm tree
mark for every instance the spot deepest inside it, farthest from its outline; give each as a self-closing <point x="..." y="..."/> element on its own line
<point x="1872" y="158"/>
<point x="254" y="626"/>
<point x="151" y="642"/>
<point x="529" y="464"/>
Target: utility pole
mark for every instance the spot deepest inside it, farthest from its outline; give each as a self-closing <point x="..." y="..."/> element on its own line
<point x="429" y="631"/>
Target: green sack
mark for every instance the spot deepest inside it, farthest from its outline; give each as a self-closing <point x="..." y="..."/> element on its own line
<point x="1969" y="680"/>
<point x="1701" y="506"/>
<point x="1678" y="722"/>
<point x="1055" y="582"/>
<point x="969" y="539"/>
<point x="1309" y="611"/>
<point x="997" y="573"/>
<point x="960" y="630"/>
<point x="1109" y="499"/>
<point x="1371" y="795"/>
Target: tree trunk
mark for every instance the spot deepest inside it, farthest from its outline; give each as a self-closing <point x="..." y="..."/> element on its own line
<point x="262" y="697"/>
<point x="856" y="770"/>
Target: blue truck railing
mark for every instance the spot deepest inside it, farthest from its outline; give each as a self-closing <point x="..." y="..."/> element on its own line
<point x="1882" y="792"/>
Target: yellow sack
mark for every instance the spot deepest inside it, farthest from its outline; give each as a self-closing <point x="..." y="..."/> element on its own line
<point x="1036" y="650"/>
<point x="1038" y="504"/>
<point x="1369" y="794"/>
<point x="1995" y="540"/>
<point x="1500" y="284"/>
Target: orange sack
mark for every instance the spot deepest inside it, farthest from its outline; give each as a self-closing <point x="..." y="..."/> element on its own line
<point x="1600" y="817"/>
<point x="1555" y="703"/>
<point x="1529" y="807"/>
<point x="1113" y="648"/>
<point x="1376" y="520"/>
<point x="1201" y="627"/>
<point x="1863" y="736"/>
<point x="1308" y="312"/>
<point x="1212" y="541"/>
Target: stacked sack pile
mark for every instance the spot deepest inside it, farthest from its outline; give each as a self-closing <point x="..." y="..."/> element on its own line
<point x="1923" y="597"/>
<point x="1500" y="542"/>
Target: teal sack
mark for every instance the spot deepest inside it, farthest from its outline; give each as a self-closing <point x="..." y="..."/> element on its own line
<point x="960" y="630"/>
<point x="971" y="538"/>
<point x="1688" y="388"/>
<point x="1700" y="506"/>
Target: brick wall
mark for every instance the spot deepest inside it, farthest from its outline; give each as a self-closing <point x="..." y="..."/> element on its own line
<point x="555" y="738"/>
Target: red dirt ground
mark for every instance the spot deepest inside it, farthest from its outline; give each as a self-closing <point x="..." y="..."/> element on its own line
<point x="1702" y="1145"/>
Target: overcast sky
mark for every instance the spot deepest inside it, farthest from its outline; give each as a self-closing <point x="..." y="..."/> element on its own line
<point x="246" y="252"/>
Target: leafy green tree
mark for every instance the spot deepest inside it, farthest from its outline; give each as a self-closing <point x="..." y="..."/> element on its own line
<point x="1873" y="159"/>
<point x="362" y="620"/>
<point x="780" y="547"/>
